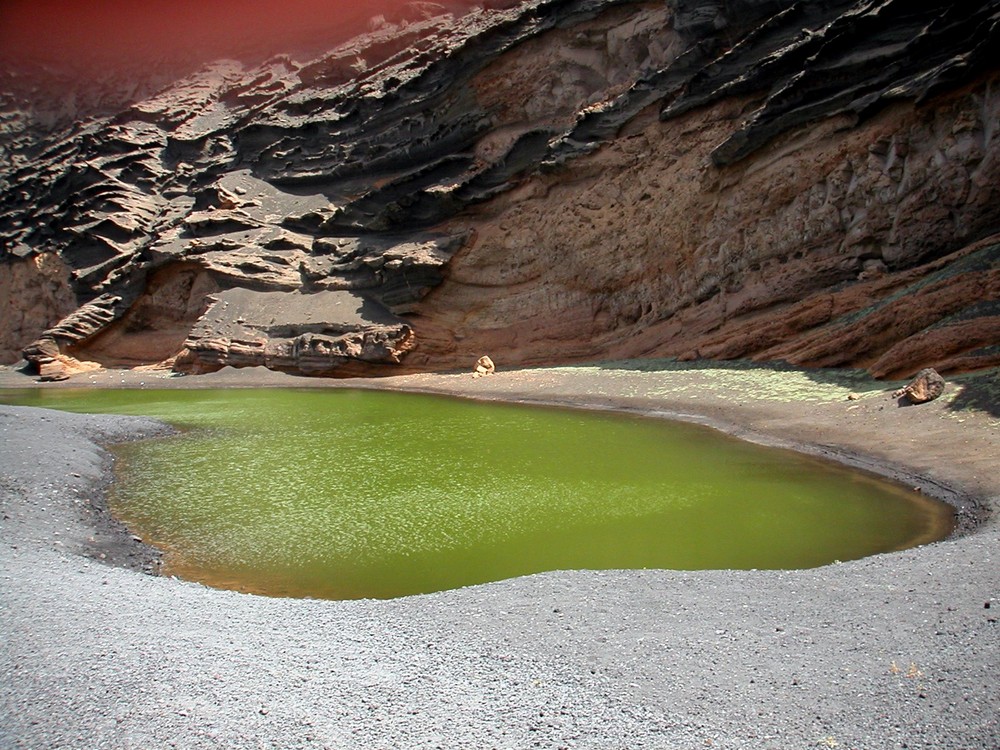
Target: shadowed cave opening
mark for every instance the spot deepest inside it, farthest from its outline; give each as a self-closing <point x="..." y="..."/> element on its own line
<point x="157" y="324"/>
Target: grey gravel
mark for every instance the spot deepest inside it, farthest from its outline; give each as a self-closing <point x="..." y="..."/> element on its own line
<point x="894" y="651"/>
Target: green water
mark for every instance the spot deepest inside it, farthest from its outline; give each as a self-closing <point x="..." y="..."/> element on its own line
<point x="347" y="494"/>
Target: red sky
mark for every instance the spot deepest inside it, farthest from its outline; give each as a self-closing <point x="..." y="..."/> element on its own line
<point x="106" y="31"/>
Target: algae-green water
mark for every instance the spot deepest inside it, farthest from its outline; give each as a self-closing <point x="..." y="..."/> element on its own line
<point x="346" y="494"/>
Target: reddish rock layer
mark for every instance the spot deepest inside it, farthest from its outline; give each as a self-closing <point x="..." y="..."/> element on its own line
<point x="547" y="181"/>
<point x="804" y="252"/>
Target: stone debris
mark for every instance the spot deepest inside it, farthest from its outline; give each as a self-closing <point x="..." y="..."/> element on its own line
<point x="484" y="367"/>
<point x="52" y="371"/>
<point x="926" y="386"/>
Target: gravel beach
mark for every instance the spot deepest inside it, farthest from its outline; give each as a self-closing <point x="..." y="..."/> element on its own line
<point x="894" y="651"/>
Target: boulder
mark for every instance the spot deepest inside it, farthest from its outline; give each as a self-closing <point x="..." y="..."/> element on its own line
<point x="484" y="367"/>
<point x="926" y="386"/>
<point x="52" y="371"/>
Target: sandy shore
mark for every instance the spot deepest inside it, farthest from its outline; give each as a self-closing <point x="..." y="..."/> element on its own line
<point x="897" y="650"/>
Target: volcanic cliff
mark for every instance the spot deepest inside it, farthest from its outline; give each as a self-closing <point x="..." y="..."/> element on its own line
<point x="547" y="181"/>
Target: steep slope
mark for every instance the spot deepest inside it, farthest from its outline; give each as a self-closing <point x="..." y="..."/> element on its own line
<point x="554" y="181"/>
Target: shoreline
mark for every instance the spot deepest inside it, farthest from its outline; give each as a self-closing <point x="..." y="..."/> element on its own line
<point x="972" y="508"/>
<point x="856" y="627"/>
<point x="856" y="451"/>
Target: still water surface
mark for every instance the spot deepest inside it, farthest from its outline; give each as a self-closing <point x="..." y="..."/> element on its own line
<point x="348" y="494"/>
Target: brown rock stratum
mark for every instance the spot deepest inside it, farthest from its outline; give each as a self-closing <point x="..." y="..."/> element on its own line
<point x="554" y="181"/>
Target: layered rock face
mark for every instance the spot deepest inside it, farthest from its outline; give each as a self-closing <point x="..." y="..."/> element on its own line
<point x="555" y="181"/>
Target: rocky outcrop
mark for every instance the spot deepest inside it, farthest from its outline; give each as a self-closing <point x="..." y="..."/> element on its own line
<point x="34" y="291"/>
<point x="555" y="180"/>
<point x="317" y="333"/>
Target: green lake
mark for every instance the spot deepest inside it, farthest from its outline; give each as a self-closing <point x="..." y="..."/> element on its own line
<point x="348" y="494"/>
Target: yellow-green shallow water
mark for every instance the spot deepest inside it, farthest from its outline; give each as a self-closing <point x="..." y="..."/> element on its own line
<point x="348" y="494"/>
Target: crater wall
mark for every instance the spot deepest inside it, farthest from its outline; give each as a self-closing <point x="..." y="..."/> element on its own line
<point x="547" y="181"/>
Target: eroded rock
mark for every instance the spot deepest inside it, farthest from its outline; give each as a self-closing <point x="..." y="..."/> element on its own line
<point x="926" y="386"/>
<point x="320" y="333"/>
<point x="555" y="179"/>
<point x="484" y="366"/>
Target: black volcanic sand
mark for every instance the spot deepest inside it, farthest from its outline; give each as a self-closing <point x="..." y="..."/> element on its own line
<point x="893" y="651"/>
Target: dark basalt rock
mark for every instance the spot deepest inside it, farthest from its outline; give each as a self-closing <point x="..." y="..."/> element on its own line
<point x="824" y="59"/>
<point x="241" y="171"/>
<point x="351" y="173"/>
